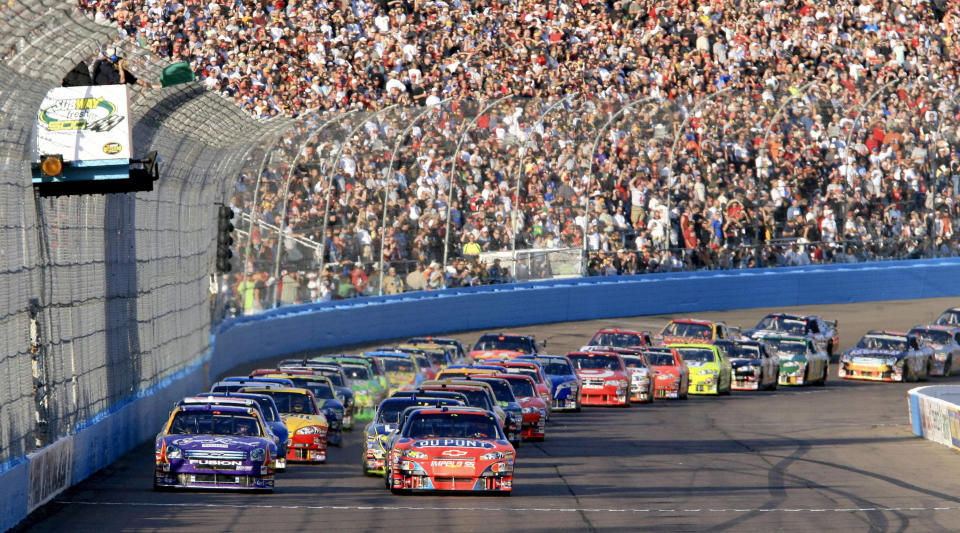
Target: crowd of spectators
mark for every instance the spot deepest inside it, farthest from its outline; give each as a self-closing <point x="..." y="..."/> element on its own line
<point x="807" y="132"/>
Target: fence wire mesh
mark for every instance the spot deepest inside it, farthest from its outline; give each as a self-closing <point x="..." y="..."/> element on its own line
<point x="105" y="295"/>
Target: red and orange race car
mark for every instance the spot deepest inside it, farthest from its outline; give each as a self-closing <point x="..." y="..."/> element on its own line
<point x="618" y="338"/>
<point x="451" y="448"/>
<point x="672" y="375"/>
<point x="502" y="346"/>
<point x="692" y="331"/>
<point x="603" y="378"/>
<point x="534" y="408"/>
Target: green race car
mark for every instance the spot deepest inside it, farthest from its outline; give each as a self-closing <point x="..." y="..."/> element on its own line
<point x="710" y="371"/>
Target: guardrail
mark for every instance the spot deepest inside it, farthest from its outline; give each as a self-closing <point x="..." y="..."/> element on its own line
<point x="935" y="413"/>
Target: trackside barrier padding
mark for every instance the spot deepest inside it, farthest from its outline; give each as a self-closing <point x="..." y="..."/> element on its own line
<point x="316" y="326"/>
<point x="935" y="413"/>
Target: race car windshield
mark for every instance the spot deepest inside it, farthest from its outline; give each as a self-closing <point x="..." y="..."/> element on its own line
<point x="211" y="423"/>
<point x="320" y="390"/>
<point x="357" y="372"/>
<point x="632" y="361"/>
<point x="933" y="336"/>
<point x="437" y="358"/>
<point x="686" y="329"/>
<point x="293" y="403"/>
<point x="398" y="366"/>
<point x="334" y="376"/>
<point x="790" y="326"/>
<point x="697" y="355"/>
<point x="621" y="340"/>
<point x="556" y="368"/>
<point x="949" y="318"/>
<point x="501" y="390"/>
<point x="659" y="358"/>
<point x="268" y="410"/>
<point x="877" y="342"/>
<point x="529" y="372"/>
<point x="595" y="362"/>
<point x="783" y="346"/>
<point x="452" y="425"/>
<point x="522" y="388"/>
<point x="476" y="398"/>
<point x="390" y="411"/>
<point x="735" y="350"/>
<point x="513" y="344"/>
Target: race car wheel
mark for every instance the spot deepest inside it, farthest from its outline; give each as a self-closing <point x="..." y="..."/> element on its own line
<point x="775" y="382"/>
<point x="926" y="372"/>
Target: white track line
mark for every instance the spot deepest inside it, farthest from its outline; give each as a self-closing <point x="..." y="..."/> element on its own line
<point x="498" y="509"/>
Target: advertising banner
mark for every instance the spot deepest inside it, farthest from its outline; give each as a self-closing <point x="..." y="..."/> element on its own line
<point x="51" y="471"/>
<point x="84" y="124"/>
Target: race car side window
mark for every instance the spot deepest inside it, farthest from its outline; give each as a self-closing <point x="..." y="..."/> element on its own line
<point x="914" y="345"/>
<point x="957" y="336"/>
<point x="720" y="332"/>
<point x="814" y="327"/>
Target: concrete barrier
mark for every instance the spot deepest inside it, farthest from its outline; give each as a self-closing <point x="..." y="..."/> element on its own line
<point x="316" y="326"/>
<point x="935" y="413"/>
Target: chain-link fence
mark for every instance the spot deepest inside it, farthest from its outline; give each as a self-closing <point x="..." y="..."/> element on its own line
<point x="104" y="295"/>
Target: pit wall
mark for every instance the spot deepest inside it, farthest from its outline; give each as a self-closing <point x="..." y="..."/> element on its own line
<point x="935" y="413"/>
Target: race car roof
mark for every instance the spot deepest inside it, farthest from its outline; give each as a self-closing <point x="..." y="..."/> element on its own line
<point x="693" y="321"/>
<point x="221" y="408"/>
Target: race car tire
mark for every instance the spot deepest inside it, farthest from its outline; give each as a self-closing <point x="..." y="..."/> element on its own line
<point x="776" y="381"/>
<point x="386" y="480"/>
<point x="926" y="372"/>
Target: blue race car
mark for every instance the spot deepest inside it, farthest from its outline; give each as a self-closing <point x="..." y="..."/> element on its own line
<point x="565" y="385"/>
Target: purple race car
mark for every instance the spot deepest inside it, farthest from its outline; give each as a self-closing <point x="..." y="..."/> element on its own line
<point x="214" y="447"/>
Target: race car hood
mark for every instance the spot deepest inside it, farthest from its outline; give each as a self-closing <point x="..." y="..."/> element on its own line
<point x="495" y="354"/>
<point x="559" y="379"/>
<point x="295" y="421"/>
<point x="600" y="373"/>
<point x="532" y="401"/>
<point x="638" y="371"/>
<point x="744" y="361"/>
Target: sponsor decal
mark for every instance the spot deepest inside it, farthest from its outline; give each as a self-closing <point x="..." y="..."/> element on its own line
<point x="214" y="462"/>
<point x="451" y="443"/>
<point x="211" y="442"/>
<point x="92" y="114"/>
<point x="453" y="463"/>
<point x="112" y="148"/>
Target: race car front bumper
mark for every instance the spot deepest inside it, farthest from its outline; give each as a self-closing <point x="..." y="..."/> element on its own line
<point x="185" y="477"/>
<point x="604" y="396"/>
<point x="307" y="448"/>
<point x="870" y="373"/>
<point x="497" y="477"/>
<point x="640" y="393"/>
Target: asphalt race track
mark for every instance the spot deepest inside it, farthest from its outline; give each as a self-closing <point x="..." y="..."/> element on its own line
<point x="833" y="458"/>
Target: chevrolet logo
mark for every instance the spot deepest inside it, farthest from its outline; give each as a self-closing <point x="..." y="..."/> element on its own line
<point x="454" y="453"/>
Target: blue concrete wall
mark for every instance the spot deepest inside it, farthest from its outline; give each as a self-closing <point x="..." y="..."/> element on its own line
<point x="316" y="326"/>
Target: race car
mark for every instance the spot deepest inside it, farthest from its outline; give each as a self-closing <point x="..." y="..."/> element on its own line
<point x="323" y="393"/>
<point x="503" y="346"/>
<point x="672" y="378"/>
<point x="692" y="331"/>
<point x="441" y="356"/>
<point x="945" y="343"/>
<point x="451" y="448"/>
<point x="534" y="408"/>
<point x="330" y="368"/>
<point x="384" y="424"/>
<point x="214" y="447"/>
<point x="823" y="333"/>
<point x="617" y="338"/>
<point x="478" y="395"/>
<point x="400" y="368"/>
<point x="801" y="361"/>
<point x="367" y="389"/>
<point x="710" y="371"/>
<point x="305" y="423"/>
<point x="887" y="356"/>
<point x="753" y="367"/>
<point x="603" y="378"/>
<point x="458" y="354"/>
<point x="270" y="416"/>
<point x="642" y="377"/>
<point x="564" y="383"/>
